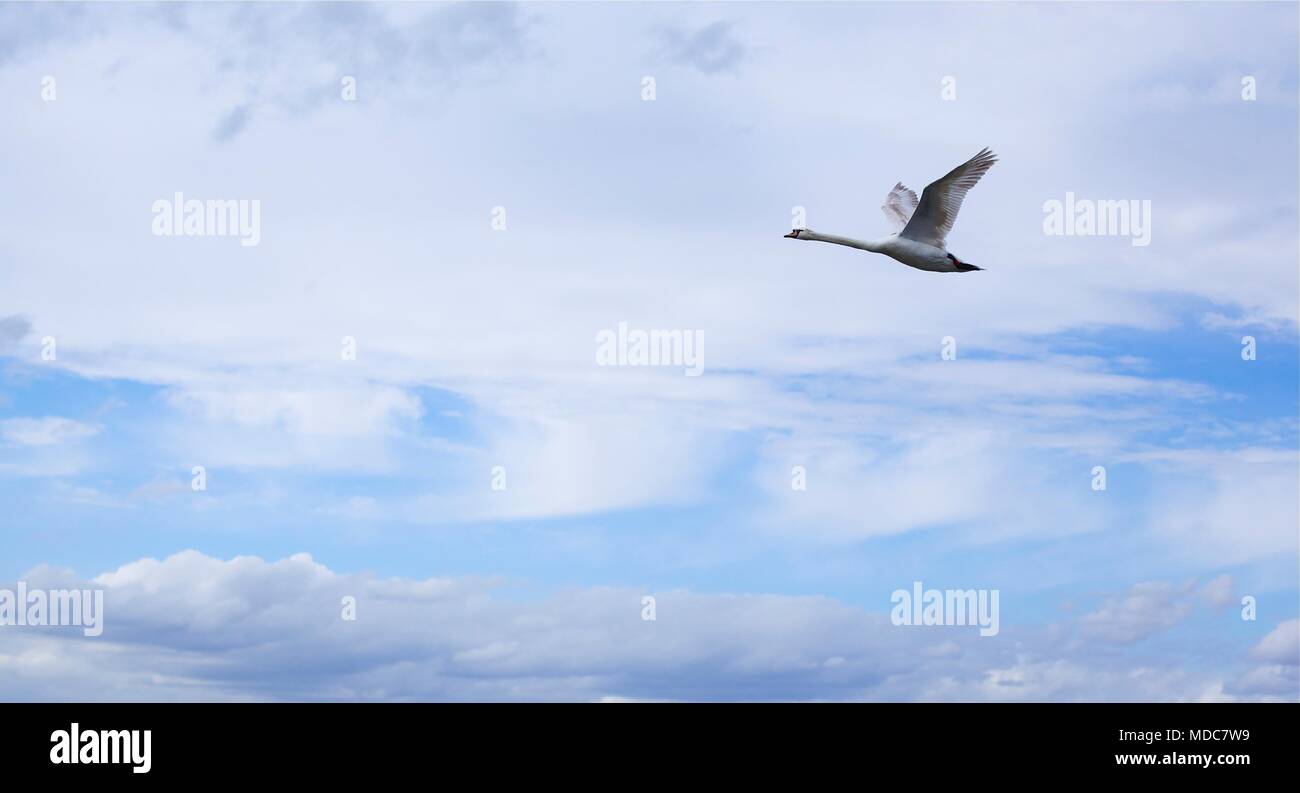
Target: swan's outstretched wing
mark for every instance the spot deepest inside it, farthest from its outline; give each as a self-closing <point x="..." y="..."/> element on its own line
<point x="899" y="206"/>
<point x="941" y="200"/>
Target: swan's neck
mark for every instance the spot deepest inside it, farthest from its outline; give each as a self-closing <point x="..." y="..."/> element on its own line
<point x="865" y="245"/>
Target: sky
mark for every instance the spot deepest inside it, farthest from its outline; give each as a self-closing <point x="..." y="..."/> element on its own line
<point x="507" y="182"/>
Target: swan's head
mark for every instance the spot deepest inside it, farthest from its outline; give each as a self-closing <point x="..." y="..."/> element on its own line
<point x="798" y="234"/>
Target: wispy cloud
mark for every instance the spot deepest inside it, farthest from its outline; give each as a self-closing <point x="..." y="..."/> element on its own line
<point x="45" y="431"/>
<point x="712" y="49"/>
<point x="232" y="123"/>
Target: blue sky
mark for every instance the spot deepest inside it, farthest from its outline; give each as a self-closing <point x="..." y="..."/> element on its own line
<point x="476" y="348"/>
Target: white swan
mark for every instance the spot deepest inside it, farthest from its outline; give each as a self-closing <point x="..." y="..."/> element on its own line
<point x="921" y="241"/>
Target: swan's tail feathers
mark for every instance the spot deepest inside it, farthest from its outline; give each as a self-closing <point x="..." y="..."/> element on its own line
<point x="960" y="266"/>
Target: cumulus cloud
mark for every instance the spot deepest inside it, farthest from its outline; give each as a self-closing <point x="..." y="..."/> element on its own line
<point x="1281" y="645"/>
<point x="1146" y="609"/>
<point x="195" y="627"/>
<point x="1276" y="682"/>
<point x="1277" y="676"/>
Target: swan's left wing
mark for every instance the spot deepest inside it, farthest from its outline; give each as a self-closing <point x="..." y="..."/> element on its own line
<point x="899" y="206"/>
<point x="941" y="200"/>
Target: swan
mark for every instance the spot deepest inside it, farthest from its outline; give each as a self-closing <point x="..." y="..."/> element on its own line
<point x="921" y="239"/>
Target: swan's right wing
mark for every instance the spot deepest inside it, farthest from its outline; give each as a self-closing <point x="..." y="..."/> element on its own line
<point x="941" y="200"/>
<point x="899" y="206"/>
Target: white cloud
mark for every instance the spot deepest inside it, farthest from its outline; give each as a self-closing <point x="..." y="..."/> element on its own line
<point x="1145" y="610"/>
<point x="1273" y="683"/>
<point x="44" y="447"/>
<point x="1219" y="592"/>
<point x="916" y="478"/>
<point x="1281" y="645"/>
<point x="824" y="355"/>
<point x="1277" y="677"/>
<point x="46" y="431"/>
<point x="342" y="426"/>
<point x="194" y="627"/>
<point x="411" y="268"/>
<point x="1226" y="506"/>
<point x="1152" y="608"/>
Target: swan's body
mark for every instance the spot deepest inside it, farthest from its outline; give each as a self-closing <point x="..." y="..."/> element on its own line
<point x="909" y="252"/>
<point x="923" y="226"/>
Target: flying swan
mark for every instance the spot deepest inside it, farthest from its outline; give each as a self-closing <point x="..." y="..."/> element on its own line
<point x="921" y="240"/>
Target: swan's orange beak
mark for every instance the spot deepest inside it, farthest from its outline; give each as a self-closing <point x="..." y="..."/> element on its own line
<point x="794" y="235"/>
